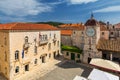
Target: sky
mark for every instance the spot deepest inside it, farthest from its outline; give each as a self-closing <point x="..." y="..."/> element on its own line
<point x="66" y="11"/>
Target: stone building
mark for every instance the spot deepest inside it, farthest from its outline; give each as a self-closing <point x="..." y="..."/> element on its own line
<point x="71" y="34"/>
<point x="24" y="46"/>
<point x="66" y="37"/>
<point x="92" y="35"/>
<point x="110" y="49"/>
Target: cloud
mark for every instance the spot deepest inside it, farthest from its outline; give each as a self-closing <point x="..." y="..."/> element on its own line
<point x="56" y="3"/>
<point x="81" y="1"/>
<point x="23" y="7"/>
<point x="12" y="19"/>
<point x="108" y="9"/>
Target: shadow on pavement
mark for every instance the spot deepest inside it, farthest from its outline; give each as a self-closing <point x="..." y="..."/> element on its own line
<point x="67" y="64"/>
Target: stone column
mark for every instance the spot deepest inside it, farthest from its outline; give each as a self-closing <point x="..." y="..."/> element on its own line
<point x="111" y="56"/>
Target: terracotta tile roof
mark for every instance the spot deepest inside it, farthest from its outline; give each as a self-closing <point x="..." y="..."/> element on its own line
<point x="66" y="32"/>
<point x="26" y="26"/>
<point x="72" y="26"/>
<point x="91" y="22"/>
<point x="117" y="26"/>
<point x="109" y="45"/>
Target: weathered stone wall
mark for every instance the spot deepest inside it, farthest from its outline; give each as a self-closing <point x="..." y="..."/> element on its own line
<point x="4" y="53"/>
<point x="69" y="56"/>
<point x="66" y="40"/>
<point x="78" y="38"/>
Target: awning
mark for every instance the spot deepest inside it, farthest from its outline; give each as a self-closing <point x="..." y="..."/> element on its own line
<point x="106" y="64"/>
<point x="101" y="75"/>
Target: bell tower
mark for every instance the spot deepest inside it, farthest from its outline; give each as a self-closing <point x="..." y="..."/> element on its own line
<point x="92" y="35"/>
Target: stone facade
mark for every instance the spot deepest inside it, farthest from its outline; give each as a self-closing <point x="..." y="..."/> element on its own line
<point x="90" y="50"/>
<point x="69" y="55"/>
<point x="78" y="38"/>
<point x="4" y="53"/>
<point x="66" y="40"/>
<point x="22" y="50"/>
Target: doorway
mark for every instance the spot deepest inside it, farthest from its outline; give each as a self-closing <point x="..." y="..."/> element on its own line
<point x="72" y="56"/>
<point x="54" y="54"/>
<point x="27" y="67"/>
<point x="89" y="59"/>
<point x="43" y="59"/>
<point x="104" y="56"/>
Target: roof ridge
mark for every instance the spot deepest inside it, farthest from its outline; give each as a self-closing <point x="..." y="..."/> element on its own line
<point x="13" y="25"/>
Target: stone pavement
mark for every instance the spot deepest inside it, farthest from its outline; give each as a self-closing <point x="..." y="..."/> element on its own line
<point x="67" y="71"/>
<point x="40" y="71"/>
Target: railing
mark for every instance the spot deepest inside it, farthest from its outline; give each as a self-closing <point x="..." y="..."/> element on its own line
<point x="42" y="42"/>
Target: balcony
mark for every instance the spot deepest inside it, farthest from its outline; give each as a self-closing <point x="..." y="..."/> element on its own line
<point x="43" y="42"/>
<point x="26" y="46"/>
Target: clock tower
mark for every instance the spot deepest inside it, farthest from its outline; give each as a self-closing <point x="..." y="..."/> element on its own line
<point x="91" y="37"/>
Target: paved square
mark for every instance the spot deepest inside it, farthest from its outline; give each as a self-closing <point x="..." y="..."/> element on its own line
<point x="67" y="71"/>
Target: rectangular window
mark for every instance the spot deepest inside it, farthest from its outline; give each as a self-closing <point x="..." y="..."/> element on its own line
<point x="17" y="69"/>
<point x="67" y="53"/>
<point x="27" y="67"/>
<point x="111" y="33"/>
<point x="35" y="62"/>
<point x="16" y="55"/>
<point x="35" y="49"/>
<point x="102" y="33"/>
<point x="81" y="32"/>
<point x="78" y="55"/>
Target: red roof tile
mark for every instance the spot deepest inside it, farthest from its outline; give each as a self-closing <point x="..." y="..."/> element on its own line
<point x="26" y="26"/>
<point x="92" y="22"/>
<point x="72" y="26"/>
<point x="66" y="32"/>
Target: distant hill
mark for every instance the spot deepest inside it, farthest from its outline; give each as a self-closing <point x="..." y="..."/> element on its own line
<point x="50" y="23"/>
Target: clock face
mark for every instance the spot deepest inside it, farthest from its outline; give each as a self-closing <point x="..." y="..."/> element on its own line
<point x="90" y="32"/>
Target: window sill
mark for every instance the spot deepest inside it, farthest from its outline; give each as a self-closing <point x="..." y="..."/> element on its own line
<point x="16" y="74"/>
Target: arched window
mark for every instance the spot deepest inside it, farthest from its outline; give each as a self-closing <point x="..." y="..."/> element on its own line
<point x="16" y="55"/>
<point x="17" y="69"/>
<point x="26" y="39"/>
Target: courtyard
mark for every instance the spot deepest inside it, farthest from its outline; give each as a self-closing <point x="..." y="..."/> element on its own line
<point x="58" y="69"/>
<point x="67" y="71"/>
